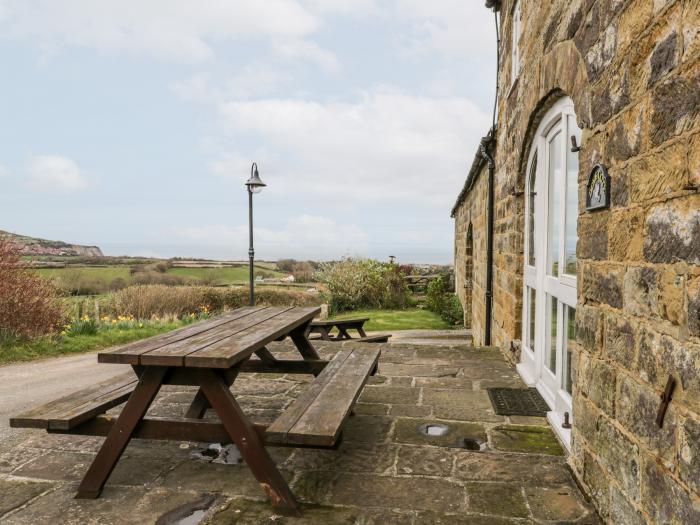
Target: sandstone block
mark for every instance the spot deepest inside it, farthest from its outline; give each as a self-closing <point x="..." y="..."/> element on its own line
<point x="602" y="284"/>
<point x="689" y="457"/>
<point x="636" y="411"/>
<point x="620" y="457"/>
<point x="672" y="231"/>
<point x="620" y="339"/>
<point x="664" y="499"/>
<point x="625" y="235"/>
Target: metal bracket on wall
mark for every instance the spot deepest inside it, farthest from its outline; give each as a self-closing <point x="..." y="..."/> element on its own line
<point x="665" y="400"/>
<point x="574" y="146"/>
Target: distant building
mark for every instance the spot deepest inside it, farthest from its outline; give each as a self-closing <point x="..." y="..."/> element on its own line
<point x="586" y="195"/>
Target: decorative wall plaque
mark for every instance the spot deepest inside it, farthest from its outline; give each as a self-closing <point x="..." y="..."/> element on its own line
<point x="598" y="188"/>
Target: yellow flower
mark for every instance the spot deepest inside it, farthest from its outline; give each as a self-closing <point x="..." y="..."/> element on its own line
<point x="114" y="321"/>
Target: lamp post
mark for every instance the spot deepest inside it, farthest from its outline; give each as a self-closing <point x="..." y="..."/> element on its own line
<point x="254" y="185"/>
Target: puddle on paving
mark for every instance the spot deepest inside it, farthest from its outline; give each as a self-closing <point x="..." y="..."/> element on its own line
<point x="188" y="514"/>
<point x="215" y="453"/>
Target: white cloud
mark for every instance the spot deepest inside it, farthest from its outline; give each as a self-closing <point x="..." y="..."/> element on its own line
<point x="297" y="48"/>
<point x="388" y="147"/>
<point x="446" y="27"/>
<point x="172" y="29"/>
<point x="252" y="81"/>
<point x="4" y="172"/>
<point x="53" y="173"/>
<point x="301" y="236"/>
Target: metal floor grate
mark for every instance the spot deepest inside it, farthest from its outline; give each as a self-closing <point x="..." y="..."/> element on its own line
<point x="517" y="402"/>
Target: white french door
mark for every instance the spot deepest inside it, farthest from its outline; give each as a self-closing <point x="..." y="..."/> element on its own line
<point x="549" y="284"/>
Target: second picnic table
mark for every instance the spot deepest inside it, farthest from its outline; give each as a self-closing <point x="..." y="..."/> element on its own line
<point x="324" y="328"/>
<point x="210" y="355"/>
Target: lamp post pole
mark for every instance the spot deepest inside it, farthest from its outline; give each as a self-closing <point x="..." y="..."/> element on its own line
<point x="251" y="251"/>
<point x="254" y="185"/>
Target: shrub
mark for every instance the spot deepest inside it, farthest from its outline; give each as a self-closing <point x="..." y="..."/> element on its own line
<point x="118" y="283"/>
<point x="149" y="301"/>
<point x="444" y="303"/>
<point x="363" y="283"/>
<point x="303" y="272"/>
<point x="286" y="265"/>
<point x="29" y="306"/>
<point x="156" y="277"/>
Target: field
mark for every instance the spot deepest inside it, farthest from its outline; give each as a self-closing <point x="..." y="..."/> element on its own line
<point x="224" y="276"/>
<point x="218" y="276"/>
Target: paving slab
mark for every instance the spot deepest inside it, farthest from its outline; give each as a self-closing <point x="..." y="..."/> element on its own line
<point x="17" y="492"/>
<point x="385" y="470"/>
<point x="395" y="492"/>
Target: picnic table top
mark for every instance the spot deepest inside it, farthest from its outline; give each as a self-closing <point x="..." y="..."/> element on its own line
<point x="340" y="322"/>
<point x="220" y="342"/>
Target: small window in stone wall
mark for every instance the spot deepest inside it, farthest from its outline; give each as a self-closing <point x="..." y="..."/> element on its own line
<point x="515" y="43"/>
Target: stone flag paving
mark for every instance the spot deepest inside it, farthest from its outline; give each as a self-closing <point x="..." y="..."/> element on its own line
<point x="484" y="468"/>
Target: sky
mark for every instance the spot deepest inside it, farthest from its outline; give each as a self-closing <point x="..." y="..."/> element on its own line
<point x="132" y="124"/>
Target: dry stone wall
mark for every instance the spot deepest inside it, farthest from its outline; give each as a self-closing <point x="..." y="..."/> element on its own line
<point x="632" y="68"/>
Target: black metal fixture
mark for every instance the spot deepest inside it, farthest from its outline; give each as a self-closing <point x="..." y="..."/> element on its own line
<point x="575" y="148"/>
<point x="254" y="185"/>
<point x="566" y="424"/>
<point x="665" y="401"/>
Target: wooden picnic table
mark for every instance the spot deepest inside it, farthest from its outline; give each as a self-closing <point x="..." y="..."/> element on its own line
<point x="210" y="355"/>
<point x="324" y="328"/>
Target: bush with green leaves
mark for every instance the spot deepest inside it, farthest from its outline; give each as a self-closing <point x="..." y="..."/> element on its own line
<point x="442" y="302"/>
<point x="355" y="283"/>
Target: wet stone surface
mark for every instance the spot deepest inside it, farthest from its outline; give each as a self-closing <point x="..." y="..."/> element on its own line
<point x="387" y="469"/>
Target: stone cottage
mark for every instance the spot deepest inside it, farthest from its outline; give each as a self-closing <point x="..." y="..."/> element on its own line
<point x="577" y="239"/>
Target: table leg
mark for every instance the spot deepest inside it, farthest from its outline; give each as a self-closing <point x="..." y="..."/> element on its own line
<point x="120" y="434"/>
<point x="248" y="442"/>
<point x="343" y="333"/>
<point x="200" y="404"/>
<point x="303" y="344"/>
<point x="361" y="331"/>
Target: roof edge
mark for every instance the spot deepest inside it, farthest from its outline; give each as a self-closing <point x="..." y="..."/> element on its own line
<point x="478" y="163"/>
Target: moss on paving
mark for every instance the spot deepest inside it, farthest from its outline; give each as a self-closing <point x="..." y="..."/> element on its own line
<point x="531" y="439"/>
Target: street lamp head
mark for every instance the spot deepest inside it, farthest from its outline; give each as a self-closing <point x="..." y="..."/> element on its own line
<point x="255" y="185"/>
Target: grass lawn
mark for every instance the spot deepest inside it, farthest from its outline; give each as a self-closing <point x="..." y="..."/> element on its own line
<point x="107" y="273"/>
<point x="409" y="319"/>
<point x="72" y="344"/>
<point x="221" y="275"/>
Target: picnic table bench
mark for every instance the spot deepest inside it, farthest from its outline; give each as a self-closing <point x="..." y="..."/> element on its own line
<point x="325" y="327"/>
<point x="210" y="354"/>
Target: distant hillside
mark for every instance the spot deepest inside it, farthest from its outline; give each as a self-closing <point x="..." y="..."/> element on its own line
<point x="37" y="247"/>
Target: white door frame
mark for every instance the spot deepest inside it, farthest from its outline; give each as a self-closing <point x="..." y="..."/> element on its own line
<point x="557" y="125"/>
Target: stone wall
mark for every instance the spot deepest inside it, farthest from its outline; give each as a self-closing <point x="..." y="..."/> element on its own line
<point x="472" y="211"/>
<point x="632" y="68"/>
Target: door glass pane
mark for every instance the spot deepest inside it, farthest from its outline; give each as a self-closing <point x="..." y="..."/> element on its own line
<point x="571" y="199"/>
<point x="570" y="343"/>
<point x="532" y="293"/>
<point x="552" y="340"/>
<point x="553" y="211"/>
<point x="531" y="213"/>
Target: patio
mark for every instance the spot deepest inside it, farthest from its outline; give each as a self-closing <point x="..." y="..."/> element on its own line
<point x="486" y="468"/>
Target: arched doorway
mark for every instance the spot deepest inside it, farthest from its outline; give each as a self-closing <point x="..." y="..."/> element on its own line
<point x="549" y="277"/>
<point x="468" y="277"/>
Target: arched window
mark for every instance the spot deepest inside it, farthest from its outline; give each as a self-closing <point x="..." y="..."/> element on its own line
<point x="549" y="276"/>
<point x="469" y="277"/>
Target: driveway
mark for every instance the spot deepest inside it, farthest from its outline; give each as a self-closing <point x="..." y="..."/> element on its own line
<point x="25" y="385"/>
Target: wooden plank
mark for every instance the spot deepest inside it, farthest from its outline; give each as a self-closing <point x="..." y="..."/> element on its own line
<point x="316" y="419"/>
<point x="129" y="353"/>
<point x="284" y="366"/>
<point x="73" y="409"/>
<point x="232" y="350"/>
<point x="174" y="354"/>
<point x="339" y="322"/>
<point x="379" y="338"/>
<point x="162" y="428"/>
